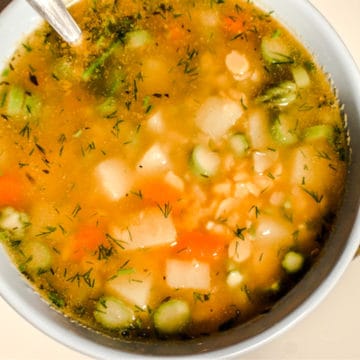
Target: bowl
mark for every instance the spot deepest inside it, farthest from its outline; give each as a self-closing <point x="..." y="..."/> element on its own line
<point x="304" y="21"/>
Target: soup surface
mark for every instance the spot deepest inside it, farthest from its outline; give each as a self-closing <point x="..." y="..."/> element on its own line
<point x="173" y="174"/>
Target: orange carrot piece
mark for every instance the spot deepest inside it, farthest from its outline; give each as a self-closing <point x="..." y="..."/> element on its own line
<point x="176" y="33"/>
<point x="85" y="241"/>
<point x="12" y="191"/>
<point x="234" y="25"/>
<point x="157" y="191"/>
<point x="202" y="245"/>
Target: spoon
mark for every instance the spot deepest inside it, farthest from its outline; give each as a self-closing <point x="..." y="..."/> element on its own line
<point x="56" y="14"/>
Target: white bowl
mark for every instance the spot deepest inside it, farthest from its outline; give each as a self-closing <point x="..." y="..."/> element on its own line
<point x="319" y="37"/>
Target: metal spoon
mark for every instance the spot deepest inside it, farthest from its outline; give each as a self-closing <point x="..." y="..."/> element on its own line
<point x="56" y="14"/>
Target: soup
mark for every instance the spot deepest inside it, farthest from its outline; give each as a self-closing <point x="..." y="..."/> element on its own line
<point x="175" y="173"/>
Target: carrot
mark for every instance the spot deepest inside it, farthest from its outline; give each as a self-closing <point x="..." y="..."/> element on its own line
<point x="157" y="191"/>
<point x="86" y="241"/>
<point x="12" y="190"/>
<point x="201" y="245"/>
<point x="234" y="25"/>
<point x="176" y="33"/>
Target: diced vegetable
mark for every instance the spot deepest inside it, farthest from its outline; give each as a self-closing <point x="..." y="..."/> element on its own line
<point x="283" y="130"/>
<point x="86" y="240"/>
<point x="107" y="107"/>
<point x="201" y="245"/>
<point x="151" y="227"/>
<point x="317" y="132"/>
<point x="15" y="100"/>
<point x="217" y="115"/>
<point x="131" y="286"/>
<point x="154" y="160"/>
<point x="310" y="166"/>
<point x="282" y="95"/>
<point x="275" y="51"/>
<point x="113" y="313"/>
<point x="239" y="144"/>
<point x="301" y="77"/>
<point x="19" y="102"/>
<point x="234" y="278"/>
<point x="270" y="229"/>
<point x="138" y="38"/>
<point x="114" y="178"/>
<point x="93" y="69"/>
<point x="14" y="222"/>
<point x="264" y="160"/>
<point x="171" y="317"/>
<point x="187" y="274"/>
<point x="237" y="64"/>
<point x="160" y="190"/>
<point x="239" y="249"/>
<point x="174" y="181"/>
<point x="156" y="122"/>
<point x="234" y="24"/>
<point x="40" y="257"/>
<point x="293" y="262"/>
<point x="258" y="132"/>
<point x="204" y="162"/>
<point x="12" y="190"/>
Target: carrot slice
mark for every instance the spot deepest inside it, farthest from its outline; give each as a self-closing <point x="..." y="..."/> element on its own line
<point x="12" y="192"/>
<point x="201" y="245"/>
<point x="160" y="192"/>
<point x="86" y="241"/>
<point x="234" y="25"/>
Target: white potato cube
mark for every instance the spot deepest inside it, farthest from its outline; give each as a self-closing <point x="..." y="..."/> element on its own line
<point x="153" y="161"/>
<point x="156" y="123"/>
<point x="187" y="274"/>
<point x="217" y="115"/>
<point x="147" y="229"/>
<point x="238" y="65"/>
<point x="133" y="288"/>
<point x="264" y="160"/>
<point x="114" y="178"/>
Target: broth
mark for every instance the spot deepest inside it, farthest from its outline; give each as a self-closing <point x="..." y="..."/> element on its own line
<point x="174" y="174"/>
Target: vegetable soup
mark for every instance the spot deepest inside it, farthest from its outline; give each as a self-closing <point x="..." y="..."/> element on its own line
<point x="173" y="174"/>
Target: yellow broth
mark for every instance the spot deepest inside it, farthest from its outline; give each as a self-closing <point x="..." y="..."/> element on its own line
<point x="175" y="173"/>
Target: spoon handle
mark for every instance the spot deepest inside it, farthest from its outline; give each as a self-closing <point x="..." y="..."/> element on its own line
<point x="56" y="14"/>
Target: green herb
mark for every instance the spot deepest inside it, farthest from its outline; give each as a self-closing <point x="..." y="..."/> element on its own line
<point x="116" y="128"/>
<point x="25" y="131"/>
<point x="22" y="266"/>
<point x="27" y="47"/>
<point x="40" y="148"/>
<point x="47" y="231"/>
<point x="201" y="297"/>
<point x="117" y="242"/>
<point x="247" y="291"/>
<point x="15" y="243"/>
<point x="166" y="209"/>
<point x="239" y="232"/>
<point x="104" y="252"/>
<point x="187" y="62"/>
<point x="318" y="198"/>
<point x="138" y="193"/>
<point x="33" y="79"/>
<point x="123" y="270"/>
<point x="21" y="164"/>
<point x="146" y="104"/>
<point x="256" y="209"/>
<point x="76" y="210"/>
<point x="56" y="299"/>
<point x="85" y="277"/>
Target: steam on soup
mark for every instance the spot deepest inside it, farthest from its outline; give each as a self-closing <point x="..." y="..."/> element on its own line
<point x="175" y="173"/>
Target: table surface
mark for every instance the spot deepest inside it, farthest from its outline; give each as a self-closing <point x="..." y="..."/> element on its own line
<point x="331" y="331"/>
